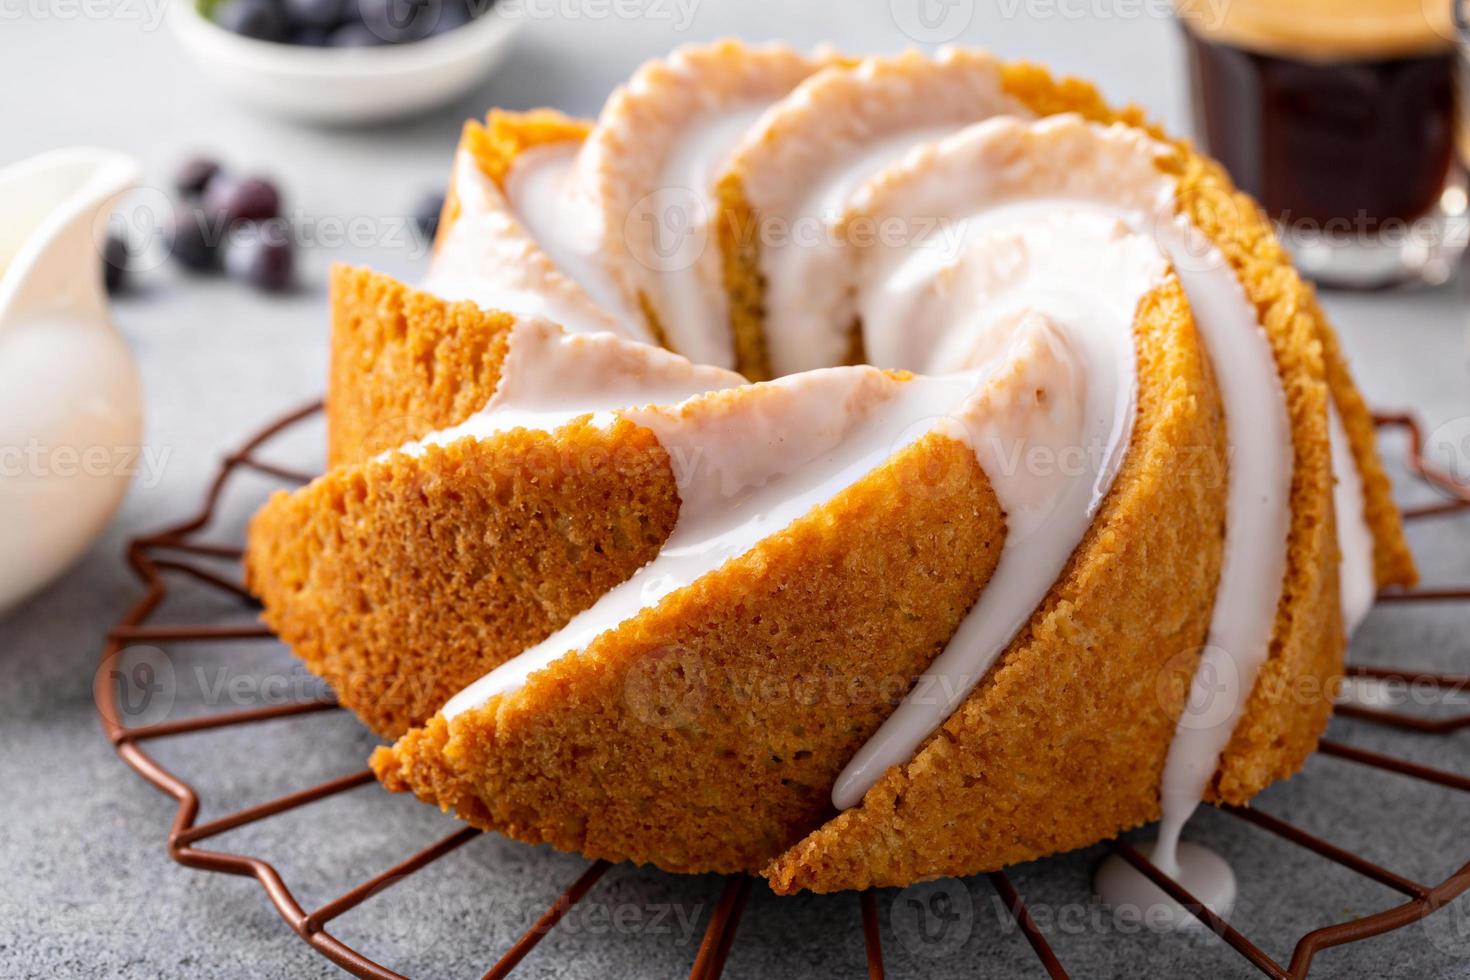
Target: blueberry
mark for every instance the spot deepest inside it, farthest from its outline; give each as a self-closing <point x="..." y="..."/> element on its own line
<point x="260" y="19"/>
<point x="353" y="36"/>
<point x="114" y="263"/>
<point x="248" y="199"/>
<point x="324" y="14"/>
<point x="261" y="255"/>
<point x="194" y="176"/>
<point x="310" y="37"/>
<point x="452" y="14"/>
<point x="194" y="239"/>
<point x="426" y="214"/>
<point x="399" y="21"/>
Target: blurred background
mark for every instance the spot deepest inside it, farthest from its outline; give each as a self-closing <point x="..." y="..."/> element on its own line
<point x="90" y="892"/>
<point x="112" y="73"/>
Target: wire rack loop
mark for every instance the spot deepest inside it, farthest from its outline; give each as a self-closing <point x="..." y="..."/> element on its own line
<point x="175" y="550"/>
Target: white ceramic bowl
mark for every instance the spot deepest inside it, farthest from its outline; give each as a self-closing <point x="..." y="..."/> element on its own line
<point x="344" y="85"/>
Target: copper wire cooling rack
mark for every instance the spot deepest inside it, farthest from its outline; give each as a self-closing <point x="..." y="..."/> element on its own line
<point x="157" y="558"/>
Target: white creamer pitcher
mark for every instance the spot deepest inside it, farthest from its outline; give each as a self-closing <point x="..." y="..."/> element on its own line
<point x="70" y="401"/>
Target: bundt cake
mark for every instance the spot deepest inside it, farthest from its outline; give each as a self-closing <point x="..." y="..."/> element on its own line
<point x="1040" y="505"/>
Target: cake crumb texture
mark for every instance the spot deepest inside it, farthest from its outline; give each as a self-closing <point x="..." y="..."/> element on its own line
<point x="401" y="580"/>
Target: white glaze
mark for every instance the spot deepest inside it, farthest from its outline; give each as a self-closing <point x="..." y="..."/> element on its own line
<point x="551" y="378"/>
<point x="1257" y="524"/>
<point x="1065" y="153"/>
<point x="1203" y="873"/>
<point x="647" y="175"/>
<point x="814" y="150"/>
<point x="737" y="497"/>
<point x="1073" y="266"/>
<point x="693" y="306"/>
<point x="1357" y="577"/>
<point x="768" y="454"/>
<point x="808" y="311"/>
<point x="538" y="187"/>
<point x="523" y="251"/>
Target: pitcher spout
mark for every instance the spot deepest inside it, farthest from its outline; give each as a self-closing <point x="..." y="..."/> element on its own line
<point x="55" y="207"/>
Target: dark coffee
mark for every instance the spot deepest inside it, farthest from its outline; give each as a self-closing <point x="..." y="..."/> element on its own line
<point x="1367" y="140"/>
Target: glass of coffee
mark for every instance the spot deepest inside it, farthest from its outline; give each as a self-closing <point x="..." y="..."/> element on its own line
<point x="1340" y="117"/>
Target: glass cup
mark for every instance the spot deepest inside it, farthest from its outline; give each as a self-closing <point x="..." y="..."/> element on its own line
<point x="1462" y="90"/>
<point x="1340" y="117"/>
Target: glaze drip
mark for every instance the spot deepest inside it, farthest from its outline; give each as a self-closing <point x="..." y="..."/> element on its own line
<point x="1016" y="305"/>
<point x="765" y="455"/>
<point x="509" y="251"/>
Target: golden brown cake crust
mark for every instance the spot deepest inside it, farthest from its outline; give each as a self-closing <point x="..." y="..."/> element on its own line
<point x="506" y="135"/>
<point x="402" y="580"/>
<point x="740" y="265"/>
<point x="1393" y="562"/>
<point x="403" y="363"/>
<point x="905" y="829"/>
<point x="982" y="761"/>
<point x="1061" y="745"/>
<point x="1235" y="222"/>
<point x="704" y="735"/>
<point x="850" y="592"/>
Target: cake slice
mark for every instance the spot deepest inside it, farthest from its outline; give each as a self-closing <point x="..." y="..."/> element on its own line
<point x="706" y="733"/>
<point x="405" y="361"/>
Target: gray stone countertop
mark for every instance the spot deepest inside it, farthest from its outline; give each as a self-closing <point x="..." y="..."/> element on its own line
<point x="88" y="888"/>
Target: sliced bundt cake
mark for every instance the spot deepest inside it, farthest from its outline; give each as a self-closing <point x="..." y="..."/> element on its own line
<point x="857" y="625"/>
